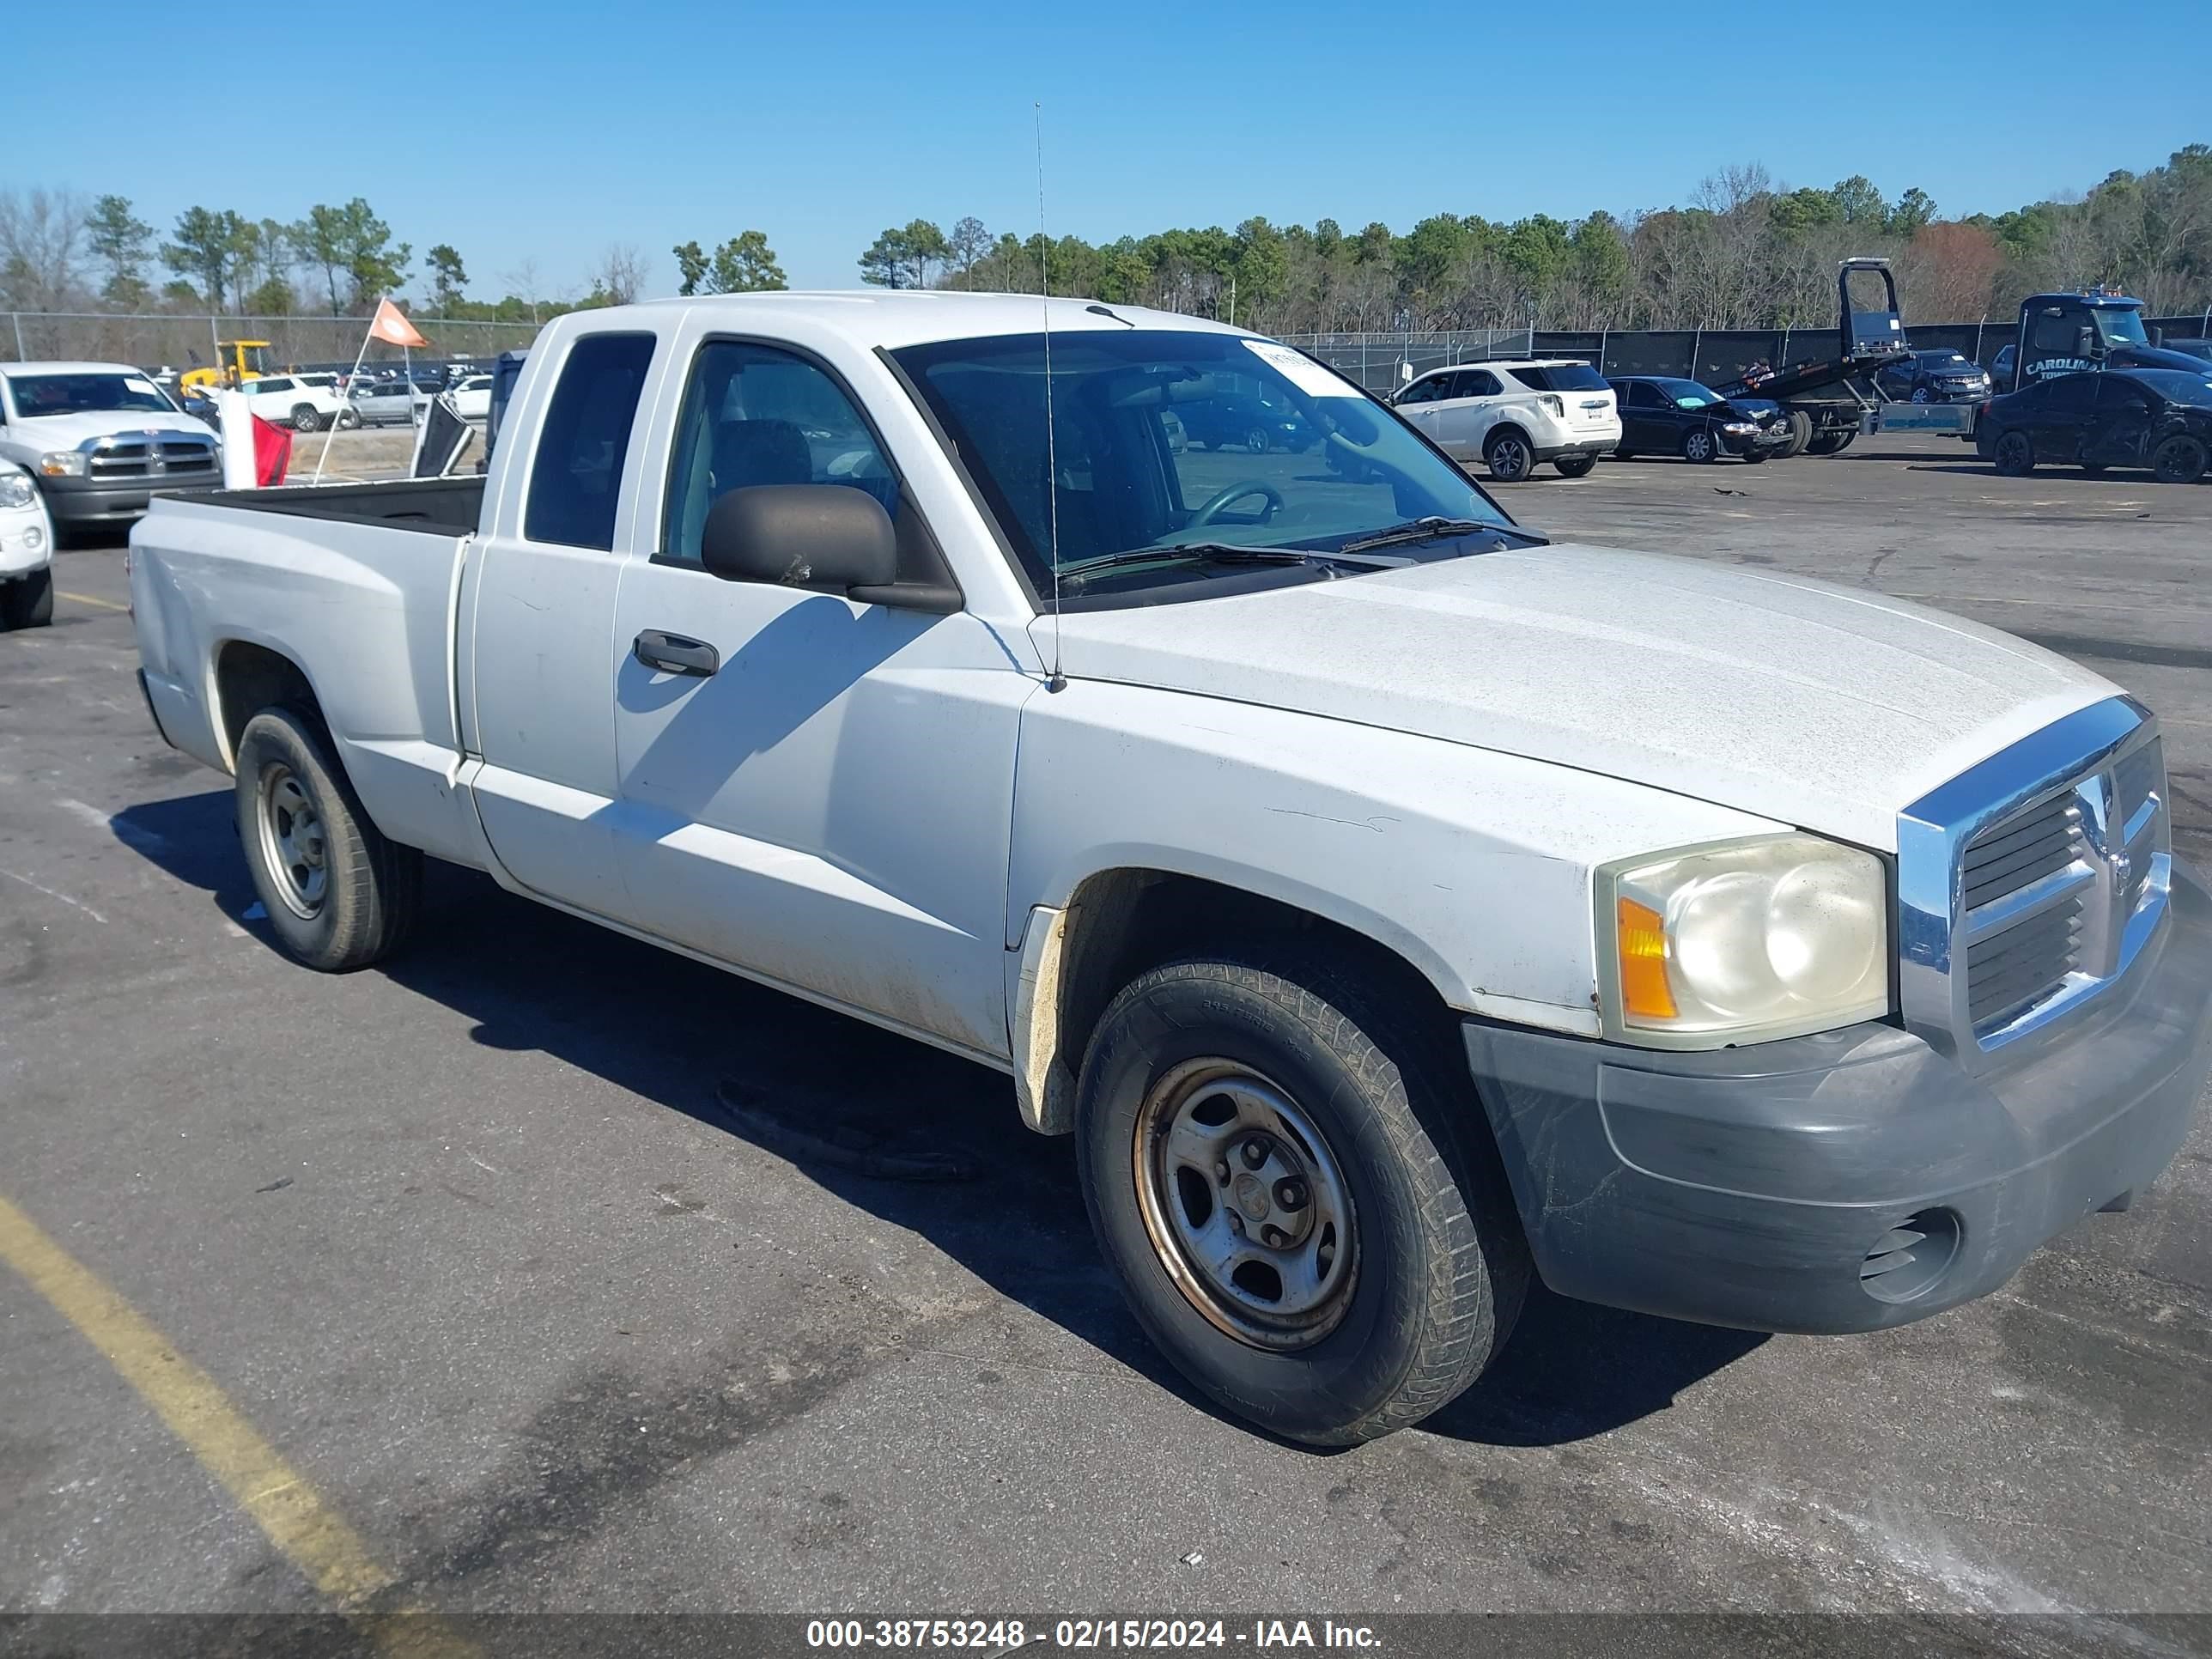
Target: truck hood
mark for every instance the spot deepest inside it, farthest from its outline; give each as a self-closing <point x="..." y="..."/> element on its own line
<point x="1820" y="707"/>
<point x="51" y="432"/>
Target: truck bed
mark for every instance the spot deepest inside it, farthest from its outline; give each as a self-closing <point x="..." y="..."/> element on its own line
<point x="356" y="584"/>
<point x="445" y="506"/>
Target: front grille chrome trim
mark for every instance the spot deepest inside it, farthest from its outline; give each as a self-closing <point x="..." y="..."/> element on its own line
<point x="2076" y="813"/>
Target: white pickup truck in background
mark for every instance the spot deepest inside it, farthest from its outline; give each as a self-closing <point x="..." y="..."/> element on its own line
<point x="1389" y="902"/>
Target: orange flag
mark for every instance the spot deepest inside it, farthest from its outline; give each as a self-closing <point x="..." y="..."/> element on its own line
<point x="392" y="327"/>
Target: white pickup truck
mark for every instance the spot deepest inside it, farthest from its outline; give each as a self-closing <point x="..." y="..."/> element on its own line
<point x="1389" y="902"/>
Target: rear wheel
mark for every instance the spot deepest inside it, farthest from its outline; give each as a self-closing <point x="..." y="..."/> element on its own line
<point x="1575" y="466"/>
<point x="2180" y="459"/>
<point x="1697" y="446"/>
<point x="1267" y="1157"/>
<point x="1801" y="433"/>
<point x="28" y="603"/>
<point x="339" y="896"/>
<point x="1509" y="455"/>
<point x="2012" y="454"/>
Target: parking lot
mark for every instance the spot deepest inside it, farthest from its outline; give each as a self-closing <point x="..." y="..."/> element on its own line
<point x="503" y="1247"/>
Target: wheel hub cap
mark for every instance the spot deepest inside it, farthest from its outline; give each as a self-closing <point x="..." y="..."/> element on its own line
<point x="1245" y="1205"/>
<point x="293" y="843"/>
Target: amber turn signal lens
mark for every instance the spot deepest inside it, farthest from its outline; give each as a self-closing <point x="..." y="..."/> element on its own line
<point x="1644" y="992"/>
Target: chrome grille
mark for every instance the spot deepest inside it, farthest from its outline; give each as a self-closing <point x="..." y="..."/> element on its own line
<point x="152" y="456"/>
<point x="2029" y="883"/>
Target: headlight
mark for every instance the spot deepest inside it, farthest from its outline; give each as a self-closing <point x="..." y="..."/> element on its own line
<point x="63" y="463"/>
<point x="1741" y="941"/>
<point x="16" y="491"/>
<point x="1739" y="429"/>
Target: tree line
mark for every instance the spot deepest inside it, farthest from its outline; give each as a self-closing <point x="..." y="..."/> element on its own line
<point x="1745" y="253"/>
<point x="61" y="253"/>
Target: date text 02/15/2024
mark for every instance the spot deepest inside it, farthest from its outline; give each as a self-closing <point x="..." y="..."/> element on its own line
<point x="995" y="1635"/>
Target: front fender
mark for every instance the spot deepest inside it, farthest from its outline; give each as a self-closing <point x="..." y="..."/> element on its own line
<point x="1473" y="866"/>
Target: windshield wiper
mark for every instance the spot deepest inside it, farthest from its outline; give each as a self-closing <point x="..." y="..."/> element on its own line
<point x="1435" y="529"/>
<point x="1215" y="553"/>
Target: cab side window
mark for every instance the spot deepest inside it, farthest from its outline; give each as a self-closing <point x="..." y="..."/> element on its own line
<point x="1425" y="391"/>
<point x="2054" y="335"/>
<point x="756" y="415"/>
<point x="576" y="478"/>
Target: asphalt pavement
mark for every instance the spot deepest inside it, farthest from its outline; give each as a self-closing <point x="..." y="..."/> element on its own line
<point x="502" y="1248"/>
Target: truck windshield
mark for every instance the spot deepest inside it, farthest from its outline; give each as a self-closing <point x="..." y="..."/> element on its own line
<point x="1173" y="438"/>
<point x="2120" y="325"/>
<point x="85" y="394"/>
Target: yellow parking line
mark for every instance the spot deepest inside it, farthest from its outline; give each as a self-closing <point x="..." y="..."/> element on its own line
<point x="87" y="599"/>
<point x="305" y="1530"/>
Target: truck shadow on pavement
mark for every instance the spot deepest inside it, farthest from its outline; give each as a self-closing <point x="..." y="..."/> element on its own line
<point x="920" y="1139"/>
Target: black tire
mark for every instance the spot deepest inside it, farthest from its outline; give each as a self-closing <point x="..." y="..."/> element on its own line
<point x="1622" y="455"/>
<point x="304" y="418"/>
<point x="1509" y="455"/>
<point x="1755" y="457"/>
<point x="1700" y="445"/>
<point x="349" y="420"/>
<point x="28" y="603"/>
<point x="1828" y="441"/>
<point x="1257" y="440"/>
<point x="1801" y="433"/>
<point x="2013" y="453"/>
<point x="1435" y="1264"/>
<point x="1844" y="440"/>
<point x="2180" y="459"/>
<point x="371" y="888"/>
<point x="1575" y="466"/>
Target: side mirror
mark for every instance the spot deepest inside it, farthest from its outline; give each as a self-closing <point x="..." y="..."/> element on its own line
<point x="2158" y="336"/>
<point x="2085" y="344"/>
<point x="824" y="536"/>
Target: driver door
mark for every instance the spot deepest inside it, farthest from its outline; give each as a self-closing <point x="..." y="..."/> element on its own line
<point x="821" y="794"/>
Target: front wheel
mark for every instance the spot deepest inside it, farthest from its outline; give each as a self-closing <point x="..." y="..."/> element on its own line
<point x="1257" y="440"/>
<point x="28" y="603"/>
<point x="1268" y="1161"/>
<point x="350" y="420"/>
<point x="2180" y="459"/>
<point x="2013" y="455"/>
<point x="1698" y="444"/>
<point x="339" y="896"/>
<point x="1575" y="466"/>
<point x="1509" y="456"/>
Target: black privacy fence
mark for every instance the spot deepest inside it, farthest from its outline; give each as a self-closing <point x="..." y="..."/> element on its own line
<point x="1711" y="354"/>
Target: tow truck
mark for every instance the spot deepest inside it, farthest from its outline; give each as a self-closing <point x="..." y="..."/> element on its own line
<point x="2090" y="329"/>
<point x="1827" y="400"/>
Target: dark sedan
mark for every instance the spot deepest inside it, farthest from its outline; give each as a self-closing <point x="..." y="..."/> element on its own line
<point x="1256" y="423"/>
<point x="1933" y="377"/>
<point x="1663" y="415"/>
<point x="2160" y="418"/>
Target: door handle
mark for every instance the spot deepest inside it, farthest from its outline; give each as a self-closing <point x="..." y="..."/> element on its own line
<point x="674" y="653"/>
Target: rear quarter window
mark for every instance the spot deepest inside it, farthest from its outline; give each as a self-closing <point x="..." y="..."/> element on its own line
<point x="576" y="477"/>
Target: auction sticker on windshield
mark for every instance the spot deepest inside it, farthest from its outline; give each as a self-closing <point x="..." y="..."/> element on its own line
<point x="143" y="388"/>
<point x="1303" y="372"/>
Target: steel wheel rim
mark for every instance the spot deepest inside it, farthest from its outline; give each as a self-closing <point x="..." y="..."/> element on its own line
<point x="1270" y="1256"/>
<point x="294" y="846"/>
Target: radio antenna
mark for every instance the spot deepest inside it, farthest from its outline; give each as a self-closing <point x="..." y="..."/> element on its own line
<point x="1055" y="680"/>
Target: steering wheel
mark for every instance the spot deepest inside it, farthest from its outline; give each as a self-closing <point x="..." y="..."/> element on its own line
<point x="1237" y="492"/>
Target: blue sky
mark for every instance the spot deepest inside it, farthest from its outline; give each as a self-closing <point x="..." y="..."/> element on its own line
<point x="551" y="131"/>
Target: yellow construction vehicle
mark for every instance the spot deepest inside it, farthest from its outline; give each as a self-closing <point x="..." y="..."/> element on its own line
<point x="248" y="361"/>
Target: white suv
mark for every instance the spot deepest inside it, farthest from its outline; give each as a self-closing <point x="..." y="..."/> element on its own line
<point x="305" y="403"/>
<point x="1513" y="415"/>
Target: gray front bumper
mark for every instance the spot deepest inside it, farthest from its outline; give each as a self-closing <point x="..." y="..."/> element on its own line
<point x="112" y="501"/>
<point x="1749" y="1186"/>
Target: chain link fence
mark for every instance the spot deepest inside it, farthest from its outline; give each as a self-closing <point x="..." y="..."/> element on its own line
<point x="159" y="341"/>
<point x="1380" y="361"/>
